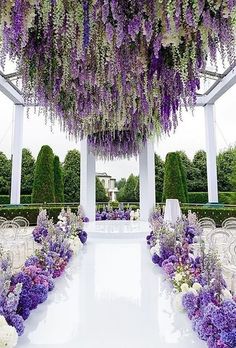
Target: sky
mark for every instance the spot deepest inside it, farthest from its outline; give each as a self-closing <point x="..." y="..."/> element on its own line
<point x="189" y="136"/>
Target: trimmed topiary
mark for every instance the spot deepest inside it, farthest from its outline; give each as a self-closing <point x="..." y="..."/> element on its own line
<point x="71" y="171"/>
<point x="43" y="187"/>
<point x="183" y="177"/>
<point x="58" y="181"/>
<point x="173" y="183"/>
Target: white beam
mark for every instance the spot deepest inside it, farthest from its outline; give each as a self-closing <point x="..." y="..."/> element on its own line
<point x="7" y="88"/>
<point x="87" y="181"/>
<point x="17" y="145"/>
<point x="210" y="127"/>
<point x="219" y="88"/>
<point x="147" y="180"/>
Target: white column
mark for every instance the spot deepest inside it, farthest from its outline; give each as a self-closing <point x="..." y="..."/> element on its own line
<point x="87" y="181"/>
<point x="17" y="144"/>
<point x="147" y="180"/>
<point x="210" y="126"/>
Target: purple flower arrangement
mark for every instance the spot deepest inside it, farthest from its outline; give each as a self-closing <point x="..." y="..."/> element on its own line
<point x="114" y="87"/>
<point x="22" y="292"/>
<point x="116" y="214"/>
<point x="205" y="298"/>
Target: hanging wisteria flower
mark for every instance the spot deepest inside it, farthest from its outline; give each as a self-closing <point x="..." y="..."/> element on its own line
<point x="103" y="68"/>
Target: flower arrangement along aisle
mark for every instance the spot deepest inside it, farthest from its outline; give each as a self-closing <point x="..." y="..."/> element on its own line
<point x="117" y="214"/>
<point x="103" y="67"/>
<point x="23" y="291"/>
<point x="199" y="287"/>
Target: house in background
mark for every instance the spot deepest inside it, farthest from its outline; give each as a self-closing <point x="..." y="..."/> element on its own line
<point x="110" y="185"/>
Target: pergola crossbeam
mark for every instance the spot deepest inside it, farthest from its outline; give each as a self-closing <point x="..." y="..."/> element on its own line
<point x="219" y="88"/>
<point x="10" y="90"/>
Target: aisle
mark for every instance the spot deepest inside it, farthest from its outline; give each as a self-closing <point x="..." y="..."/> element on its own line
<point x="111" y="297"/>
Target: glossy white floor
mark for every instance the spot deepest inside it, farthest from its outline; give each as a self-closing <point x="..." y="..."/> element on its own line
<point x="111" y="296"/>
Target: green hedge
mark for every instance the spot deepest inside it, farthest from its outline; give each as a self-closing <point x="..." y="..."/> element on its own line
<point x="202" y="197"/>
<point x="25" y="199"/>
<point x="217" y="214"/>
<point x="31" y="213"/>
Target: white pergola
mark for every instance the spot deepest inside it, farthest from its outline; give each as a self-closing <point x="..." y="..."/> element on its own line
<point x="221" y="84"/>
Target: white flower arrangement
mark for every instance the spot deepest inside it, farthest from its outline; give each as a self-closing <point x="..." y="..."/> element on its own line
<point x="177" y="302"/>
<point x="226" y="294"/>
<point x="75" y="244"/>
<point x="156" y="249"/>
<point x="8" y="334"/>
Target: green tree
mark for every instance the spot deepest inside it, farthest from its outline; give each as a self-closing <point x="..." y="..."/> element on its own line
<point x="131" y="189"/>
<point x="27" y="176"/>
<point x="5" y="174"/>
<point x="199" y="172"/>
<point x="159" y="177"/>
<point x="189" y="170"/>
<point x="225" y="168"/>
<point x="43" y="187"/>
<point x="121" y="183"/>
<point x="233" y="174"/>
<point x="173" y="184"/>
<point x="71" y="169"/>
<point x="58" y="180"/>
<point x="101" y="195"/>
<point x="183" y="178"/>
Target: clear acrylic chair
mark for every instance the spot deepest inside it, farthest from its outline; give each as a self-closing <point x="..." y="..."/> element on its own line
<point x="230" y="224"/>
<point x="219" y="240"/>
<point x="2" y="220"/>
<point x="11" y="240"/>
<point x="207" y="223"/>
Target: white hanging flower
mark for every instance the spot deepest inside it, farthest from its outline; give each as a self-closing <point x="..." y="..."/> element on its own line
<point x="153" y="251"/>
<point x="178" y="277"/>
<point x="197" y="287"/>
<point x="184" y="287"/>
<point x="226" y="294"/>
<point x="132" y="217"/>
<point x="8" y="336"/>
<point x="75" y="244"/>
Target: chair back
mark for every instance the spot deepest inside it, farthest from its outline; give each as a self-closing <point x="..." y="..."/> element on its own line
<point x="9" y="230"/>
<point x="21" y="221"/>
<point x="207" y="223"/>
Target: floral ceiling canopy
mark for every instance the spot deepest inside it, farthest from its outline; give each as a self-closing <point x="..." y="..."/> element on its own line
<point x="118" y="71"/>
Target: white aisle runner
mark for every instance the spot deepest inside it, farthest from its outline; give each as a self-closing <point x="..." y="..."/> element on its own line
<point x="111" y="296"/>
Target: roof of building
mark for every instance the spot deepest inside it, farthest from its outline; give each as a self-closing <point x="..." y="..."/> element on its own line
<point x="103" y="175"/>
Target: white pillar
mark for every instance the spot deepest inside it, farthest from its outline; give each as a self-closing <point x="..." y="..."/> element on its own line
<point x="210" y="126"/>
<point x="17" y="144"/>
<point x="147" y="180"/>
<point x="87" y="181"/>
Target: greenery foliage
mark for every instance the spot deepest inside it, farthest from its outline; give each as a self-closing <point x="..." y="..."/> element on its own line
<point x="173" y="183"/>
<point x="27" y="176"/>
<point x="24" y="199"/>
<point x="183" y="178"/>
<point x="226" y="161"/>
<point x="130" y="191"/>
<point x="121" y="183"/>
<point x="5" y="174"/>
<point x="217" y="214"/>
<point x="71" y="169"/>
<point x="101" y="195"/>
<point x="43" y="187"/>
<point x="31" y="213"/>
<point x="159" y="176"/>
<point x="58" y="181"/>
